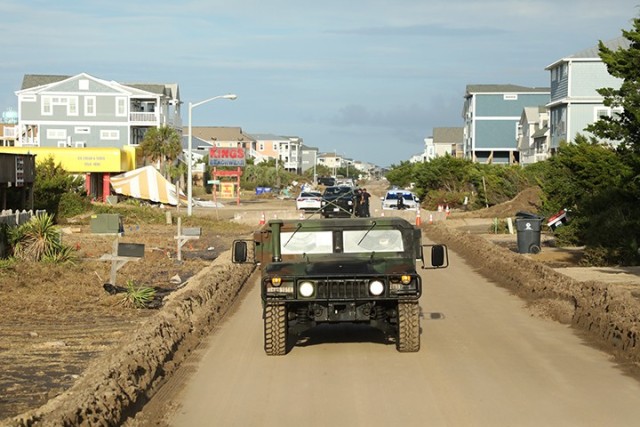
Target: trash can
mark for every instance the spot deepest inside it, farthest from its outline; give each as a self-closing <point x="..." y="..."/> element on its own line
<point x="528" y="229"/>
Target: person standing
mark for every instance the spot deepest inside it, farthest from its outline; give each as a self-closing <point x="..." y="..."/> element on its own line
<point x="365" y="196"/>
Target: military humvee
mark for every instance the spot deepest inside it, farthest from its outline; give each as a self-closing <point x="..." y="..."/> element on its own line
<point x="360" y="270"/>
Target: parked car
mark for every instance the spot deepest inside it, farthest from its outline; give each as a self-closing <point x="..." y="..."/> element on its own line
<point x="309" y="200"/>
<point x="327" y="181"/>
<point x="338" y="201"/>
<point x="400" y="199"/>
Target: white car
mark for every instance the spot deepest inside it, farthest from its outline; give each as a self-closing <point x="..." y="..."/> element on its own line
<point x="400" y="199"/>
<point x="309" y="200"/>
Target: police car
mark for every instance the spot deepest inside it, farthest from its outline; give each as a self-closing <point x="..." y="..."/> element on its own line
<point x="400" y="199"/>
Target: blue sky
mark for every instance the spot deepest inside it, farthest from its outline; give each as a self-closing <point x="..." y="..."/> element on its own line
<point x="369" y="79"/>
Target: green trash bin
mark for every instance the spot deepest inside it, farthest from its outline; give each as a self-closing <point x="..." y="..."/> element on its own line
<point x="528" y="233"/>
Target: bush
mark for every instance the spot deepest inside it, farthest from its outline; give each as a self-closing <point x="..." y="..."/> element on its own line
<point x="72" y="204"/>
<point x="38" y="240"/>
<point x="138" y="296"/>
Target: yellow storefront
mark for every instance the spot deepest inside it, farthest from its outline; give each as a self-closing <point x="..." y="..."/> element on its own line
<point x="97" y="164"/>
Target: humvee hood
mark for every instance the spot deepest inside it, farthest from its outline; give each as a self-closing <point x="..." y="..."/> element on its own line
<point x="338" y="267"/>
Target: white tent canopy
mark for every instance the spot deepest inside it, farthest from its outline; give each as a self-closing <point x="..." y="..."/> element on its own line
<point x="148" y="184"/>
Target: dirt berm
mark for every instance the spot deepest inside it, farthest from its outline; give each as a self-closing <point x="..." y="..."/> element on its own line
<point x="608" y="315"/>
<point x="117" y="385"/>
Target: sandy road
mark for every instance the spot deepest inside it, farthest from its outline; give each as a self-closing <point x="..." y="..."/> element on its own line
<point x="485" y="361"/>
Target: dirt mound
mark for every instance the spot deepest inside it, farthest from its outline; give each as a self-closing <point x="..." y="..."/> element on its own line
<point x="527" y="200"/>
<point x="121" y="381"/>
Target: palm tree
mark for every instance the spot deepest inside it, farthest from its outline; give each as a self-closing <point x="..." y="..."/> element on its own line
<point x="161" y="145"/>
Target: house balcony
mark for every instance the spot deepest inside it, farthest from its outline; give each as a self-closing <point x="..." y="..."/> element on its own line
<point x="143" y="118"/>
<point x="10" y="132"/>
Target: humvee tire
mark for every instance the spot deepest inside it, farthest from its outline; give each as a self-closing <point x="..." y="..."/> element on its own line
<point x="408" y="327"/>
<point x="275" y="329"/>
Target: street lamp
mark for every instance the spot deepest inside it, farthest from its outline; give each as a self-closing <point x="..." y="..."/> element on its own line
<point x="189" y="149"/>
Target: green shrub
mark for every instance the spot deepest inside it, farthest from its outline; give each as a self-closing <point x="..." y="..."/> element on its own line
<point x="38" y="240"/>
<point x="138" y="296"/>
<point x="72" y="204"/>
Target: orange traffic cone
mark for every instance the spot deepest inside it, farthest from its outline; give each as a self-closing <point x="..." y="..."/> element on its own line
<point x="447" y="210"/>
<point x="381" y="213"/>
<point x="430" y="218"/>
<point x="261" y="219"/>
<point x="418" y="219"/>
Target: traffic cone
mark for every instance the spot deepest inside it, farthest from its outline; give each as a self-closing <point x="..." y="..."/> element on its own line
<point x="261" y="219"/>
<point x="301" y="215"/>
<point x="418" y="219"/>
<point x="447" y="210"/>
<point x="430" y="218"/>
<point x="381" y="213"/>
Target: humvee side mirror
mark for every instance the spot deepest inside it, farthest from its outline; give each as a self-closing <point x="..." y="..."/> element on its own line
<point x="439" y="257"/>
<point x="239" y="252"/>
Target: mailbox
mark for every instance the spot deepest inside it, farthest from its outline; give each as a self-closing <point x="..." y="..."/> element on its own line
<point x="132" y="250"/>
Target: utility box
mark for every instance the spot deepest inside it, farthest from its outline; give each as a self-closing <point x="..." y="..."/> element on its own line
<point x="106" y="224"/>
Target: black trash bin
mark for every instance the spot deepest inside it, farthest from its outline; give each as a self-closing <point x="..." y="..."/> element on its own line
<point x="528" y="228"/>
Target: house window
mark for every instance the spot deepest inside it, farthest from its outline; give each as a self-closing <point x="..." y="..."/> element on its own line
<point x="275" y="146"/>
<point x="121" y="107"/>
<point x="80" y="144"/>
<point x="72" y="106"/>
<point x="56" y="134"/>
<point x="46" y="106"/>
<point x="601" y="112"/>
<point x="109" y="135"/>
<point x="510" y="96"/>
<point x="82" y="130"/>
<point x="90" y="106"/>
<point x="260" y="146"/>
<point x="62" y="144"/>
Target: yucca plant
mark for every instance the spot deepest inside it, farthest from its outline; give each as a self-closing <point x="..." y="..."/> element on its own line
<point x="39" y="239"/>
<point x="61" y="255"/>
<point x="138" y="296"/>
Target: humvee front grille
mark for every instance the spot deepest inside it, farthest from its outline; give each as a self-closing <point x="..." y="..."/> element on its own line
<point x="342" y="289"/>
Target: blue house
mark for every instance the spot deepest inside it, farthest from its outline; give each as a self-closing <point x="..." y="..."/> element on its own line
<point x="491" y="115"/>
<point x="575" y="102"/>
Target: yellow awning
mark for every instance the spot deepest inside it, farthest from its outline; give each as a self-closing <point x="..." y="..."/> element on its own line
<point x="83" y="160"/>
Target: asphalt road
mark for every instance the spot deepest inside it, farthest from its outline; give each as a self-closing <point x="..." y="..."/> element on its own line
<point x="484" y="361"/>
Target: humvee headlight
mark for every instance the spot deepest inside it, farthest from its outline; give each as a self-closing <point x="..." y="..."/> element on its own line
<point x="405" y="279"/>
<point x="306" y="289"/>
<point x="276" y="281"/>
<point x="376" y="287"/>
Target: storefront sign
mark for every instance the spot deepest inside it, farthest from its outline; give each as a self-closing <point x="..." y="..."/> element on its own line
<point x="224" y="156"/>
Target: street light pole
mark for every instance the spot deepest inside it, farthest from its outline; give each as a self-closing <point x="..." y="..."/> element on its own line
<point x="190" y="149"/>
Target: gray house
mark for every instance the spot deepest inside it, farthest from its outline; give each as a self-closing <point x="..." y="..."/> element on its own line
<point x="574" y="101"/>
<point x="533" y="135"/>
<point x="89" y="125"/>
<point x="309" y="159"/>
<point x="491" y="114"/>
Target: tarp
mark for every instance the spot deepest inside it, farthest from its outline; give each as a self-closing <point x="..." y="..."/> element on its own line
<point x="148" y="184"/>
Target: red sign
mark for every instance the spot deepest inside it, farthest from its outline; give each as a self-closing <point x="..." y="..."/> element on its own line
<point x="226" y="153"/>
<point x="226" y="156"/>
<point x="228" y="173"/>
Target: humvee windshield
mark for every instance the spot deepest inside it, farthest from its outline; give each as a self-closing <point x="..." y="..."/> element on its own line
<point x="354" y="241"/>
